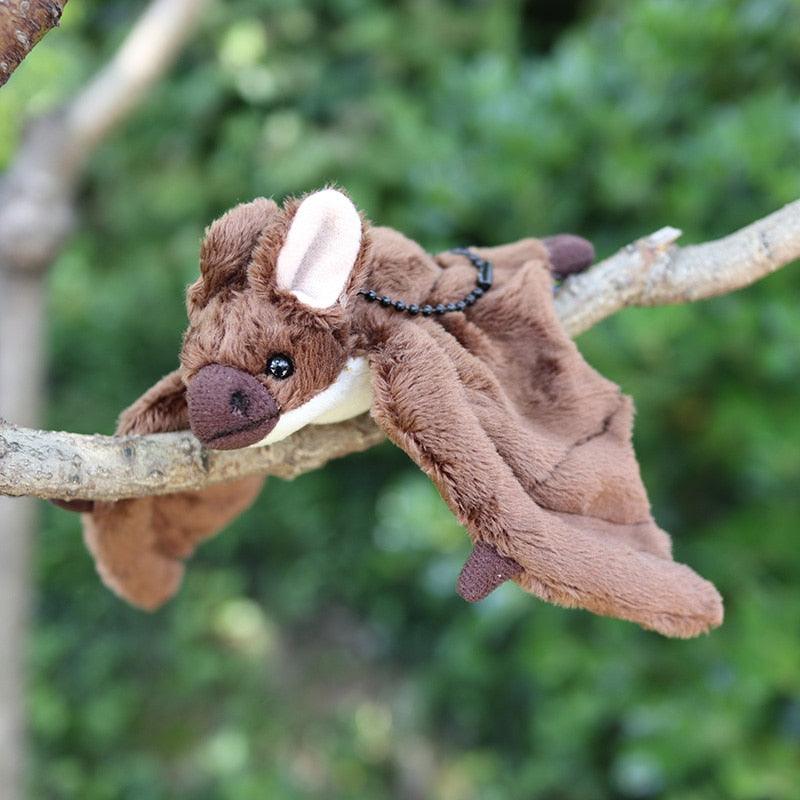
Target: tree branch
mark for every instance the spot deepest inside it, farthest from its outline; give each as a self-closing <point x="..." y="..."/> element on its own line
<point x="22" y="24"/>
<point x="652" y="271"/>
<point x="36" y="192"/>
<point x="150" y="47"/>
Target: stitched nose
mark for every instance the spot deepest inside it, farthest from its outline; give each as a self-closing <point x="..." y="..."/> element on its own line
<point x="229" y="408"/>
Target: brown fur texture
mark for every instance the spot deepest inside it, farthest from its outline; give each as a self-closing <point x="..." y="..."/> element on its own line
<point x="528" y="445"/>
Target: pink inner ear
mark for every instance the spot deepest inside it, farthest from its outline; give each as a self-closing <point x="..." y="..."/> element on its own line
<point x="320" y="249"/>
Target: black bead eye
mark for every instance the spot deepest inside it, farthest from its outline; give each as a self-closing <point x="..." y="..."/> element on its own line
<point x="279" y="366"/>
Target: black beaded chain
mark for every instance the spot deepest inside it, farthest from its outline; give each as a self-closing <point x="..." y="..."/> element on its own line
<point x="482" y="285"/>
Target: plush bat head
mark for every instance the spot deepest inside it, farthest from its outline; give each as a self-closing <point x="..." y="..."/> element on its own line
<point x="306" y="315"/>
<point x="268" y="342"/>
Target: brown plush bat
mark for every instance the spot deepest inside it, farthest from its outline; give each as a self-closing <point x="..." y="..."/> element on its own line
<point x="307" y="315"/>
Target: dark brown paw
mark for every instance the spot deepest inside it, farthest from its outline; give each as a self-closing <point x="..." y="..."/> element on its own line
<point x="568" y="254"/>
<point x="80" y="506"/>
<point x="484" y="571"/>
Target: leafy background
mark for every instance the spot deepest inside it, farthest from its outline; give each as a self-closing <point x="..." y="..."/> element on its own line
<point x="317" y="649"/>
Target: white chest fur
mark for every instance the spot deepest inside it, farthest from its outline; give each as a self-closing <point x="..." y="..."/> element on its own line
<point x="348" y="396"/>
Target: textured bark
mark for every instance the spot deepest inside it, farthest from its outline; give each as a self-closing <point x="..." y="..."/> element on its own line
<point x="110" y="468"/>
<point x="649" y="272"/>
<point x="22" y="24"/>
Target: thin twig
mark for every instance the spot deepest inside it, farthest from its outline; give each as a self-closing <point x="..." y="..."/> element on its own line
<point x="151" y="46"/>
<point x="651" y="272"/>
<point x="37" y="207"/>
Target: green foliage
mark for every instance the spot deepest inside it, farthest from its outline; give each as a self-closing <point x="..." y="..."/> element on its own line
<point x="317" y="649"/>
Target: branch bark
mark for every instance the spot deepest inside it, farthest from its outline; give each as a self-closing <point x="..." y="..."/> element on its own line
<point x="651" y="271"/>
<point x="22" y="25"/>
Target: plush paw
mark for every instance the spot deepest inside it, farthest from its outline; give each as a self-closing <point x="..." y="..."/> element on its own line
<point x="568" y="254"/>
<point x="484" y="571"/>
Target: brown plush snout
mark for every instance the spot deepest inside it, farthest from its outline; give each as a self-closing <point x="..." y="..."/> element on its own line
<point x="229" y="408"/>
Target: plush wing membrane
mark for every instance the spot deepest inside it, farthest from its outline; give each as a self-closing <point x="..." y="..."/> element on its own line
<point x="531" y="450"/>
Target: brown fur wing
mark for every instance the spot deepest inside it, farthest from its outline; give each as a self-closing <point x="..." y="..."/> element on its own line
<point x="428" y="407"/>
<point x="160" y="409"/>
<point x="139" y="544"/>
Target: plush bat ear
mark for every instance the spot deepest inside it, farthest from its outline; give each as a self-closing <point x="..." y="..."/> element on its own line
<point x="228" y="247"/>
<point x="321" y="249"/>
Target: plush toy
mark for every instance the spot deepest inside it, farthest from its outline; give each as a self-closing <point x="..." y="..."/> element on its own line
<point x="306" y="314"/>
